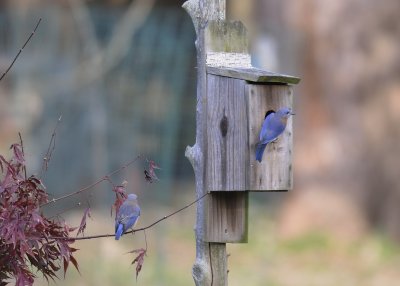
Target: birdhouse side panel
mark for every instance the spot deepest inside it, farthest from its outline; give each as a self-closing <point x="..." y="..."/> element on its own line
<point x="227" y="134"/>
<point x="274" y="172"/>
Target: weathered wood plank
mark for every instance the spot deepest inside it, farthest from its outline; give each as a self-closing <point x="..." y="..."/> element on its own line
<point x="253" y="75"/>
<point x="211" y="10"/>
<point x="227" y="217"/>
<point x="226" y="36"/>
<point x="274" y="173"/>
<point x="227" y="136"/>
<point x="207" y="254"/>
<point x="219" y="265"/>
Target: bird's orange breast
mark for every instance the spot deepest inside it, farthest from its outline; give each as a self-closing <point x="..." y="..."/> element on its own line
<point x="284" y="120"/>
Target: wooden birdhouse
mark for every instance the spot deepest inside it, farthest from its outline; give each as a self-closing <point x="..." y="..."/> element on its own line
<point x="237" y="100"/>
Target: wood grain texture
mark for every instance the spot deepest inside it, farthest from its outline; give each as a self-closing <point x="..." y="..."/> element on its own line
<point x="227" y="217"/>
<point x="274" y="173"/>
<point x="203" y="272"/>
<point x="218" y="264"/>
<point x="253" y="75"/>
<point x="226" y="36"/>
<point x="211" y="9"/>
<point x="227" y="134"/>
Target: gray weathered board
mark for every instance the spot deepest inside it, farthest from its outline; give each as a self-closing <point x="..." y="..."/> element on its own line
<point x="253" y="74"/>
<point x="226" y="36"/>
<point x="227" y="217"/>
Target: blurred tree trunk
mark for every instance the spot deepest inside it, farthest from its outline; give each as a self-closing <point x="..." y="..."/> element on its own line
<point x="348" y="133"/>
<point x="348" y="103"/>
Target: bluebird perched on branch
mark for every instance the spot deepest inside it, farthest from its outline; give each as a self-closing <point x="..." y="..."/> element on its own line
<point x="127" y="216"/>
<point x="274" y="124"/>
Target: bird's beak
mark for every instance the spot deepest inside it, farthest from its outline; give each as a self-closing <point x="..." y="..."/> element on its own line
<point x="292" y="113"/>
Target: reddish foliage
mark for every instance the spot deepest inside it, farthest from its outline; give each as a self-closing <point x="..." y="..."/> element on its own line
<point x="82" y="226"/>
<point x="26" y="242"/>
<point x="150" y="175"/>
<point x="139" y="260"/>
<point x="120" y="197"/>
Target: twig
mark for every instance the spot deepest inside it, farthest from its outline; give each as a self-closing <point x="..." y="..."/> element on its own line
<point x="145" y="238"/>
<point x="102" y="179"/>
<point x="23" y="152"/>
<point x="50" y="149"/>
<point x="167" y="216"/>
<point x="20" y="50"/>
<point x="66" y="210"/>
<point x="134" y="230"/>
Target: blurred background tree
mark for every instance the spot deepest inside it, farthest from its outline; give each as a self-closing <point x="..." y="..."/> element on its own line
<point x="120" y="73"/>
<point x="348" y="102"/>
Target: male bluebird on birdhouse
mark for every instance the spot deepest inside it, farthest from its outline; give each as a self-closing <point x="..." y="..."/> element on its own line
<point x="274" y="124"/>
<point x="127" y="216"/>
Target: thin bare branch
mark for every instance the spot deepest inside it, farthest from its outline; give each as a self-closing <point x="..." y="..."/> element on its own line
<point x="66" y="210"/>
<point x="145" y="238"/>
<point x="134" y="230"/>
<point x="102" y="179"/>
<point x="23" y="152"/>
<point x="20" y="50"/>
<point x="50" y="148"/>
<point x="167" y="216"/>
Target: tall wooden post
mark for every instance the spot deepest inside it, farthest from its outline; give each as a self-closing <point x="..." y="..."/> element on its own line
<point x="210" y="266"/>
<point x="232" y="100"/>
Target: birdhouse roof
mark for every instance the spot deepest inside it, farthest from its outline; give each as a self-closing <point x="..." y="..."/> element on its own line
<point x="253" y="74"/>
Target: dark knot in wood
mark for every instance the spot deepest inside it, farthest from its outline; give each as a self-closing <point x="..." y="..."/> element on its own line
<point x="223" y="125"/>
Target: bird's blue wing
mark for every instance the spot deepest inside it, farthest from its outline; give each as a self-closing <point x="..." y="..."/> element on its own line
<point x="272" y="127"/>
<point x="128" y="215"/>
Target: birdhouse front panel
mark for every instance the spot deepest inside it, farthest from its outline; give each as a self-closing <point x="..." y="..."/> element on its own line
<point x="274" y="172"/>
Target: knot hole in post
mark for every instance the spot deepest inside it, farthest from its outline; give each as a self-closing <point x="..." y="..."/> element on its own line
<point x="223" y="125"/>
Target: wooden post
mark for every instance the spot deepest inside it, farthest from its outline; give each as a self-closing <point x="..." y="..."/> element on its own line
<point x="210" y="265"/>
<point x="232" y="99"/>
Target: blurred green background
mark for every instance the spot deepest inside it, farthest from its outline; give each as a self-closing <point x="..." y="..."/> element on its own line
<point x="122" y="75"/>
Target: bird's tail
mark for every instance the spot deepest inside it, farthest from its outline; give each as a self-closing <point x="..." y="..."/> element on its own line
<point x="119" y="230"/>
<point x="260" y="151"/>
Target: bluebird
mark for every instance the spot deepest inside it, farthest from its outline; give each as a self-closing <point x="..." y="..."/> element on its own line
<point x="127" y="216"/>
<point x="274" y="124"/>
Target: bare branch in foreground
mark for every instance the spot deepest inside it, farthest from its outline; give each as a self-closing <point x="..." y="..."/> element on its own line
<point x="134" y="230"/>
<point x="50" y="149"/>
<point x="20" y="50"/>
<point x="102" y="179"/>
<point x="23" y="152"/>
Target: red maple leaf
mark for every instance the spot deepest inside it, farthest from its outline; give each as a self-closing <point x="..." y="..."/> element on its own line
<point x="29" y="241"/>
<point x="120" y="196"/>
<point x="18" y="154"/>
<point x="141" y="252"/>
<point x="82" y="226"/>
<point x="150" y="175"/>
